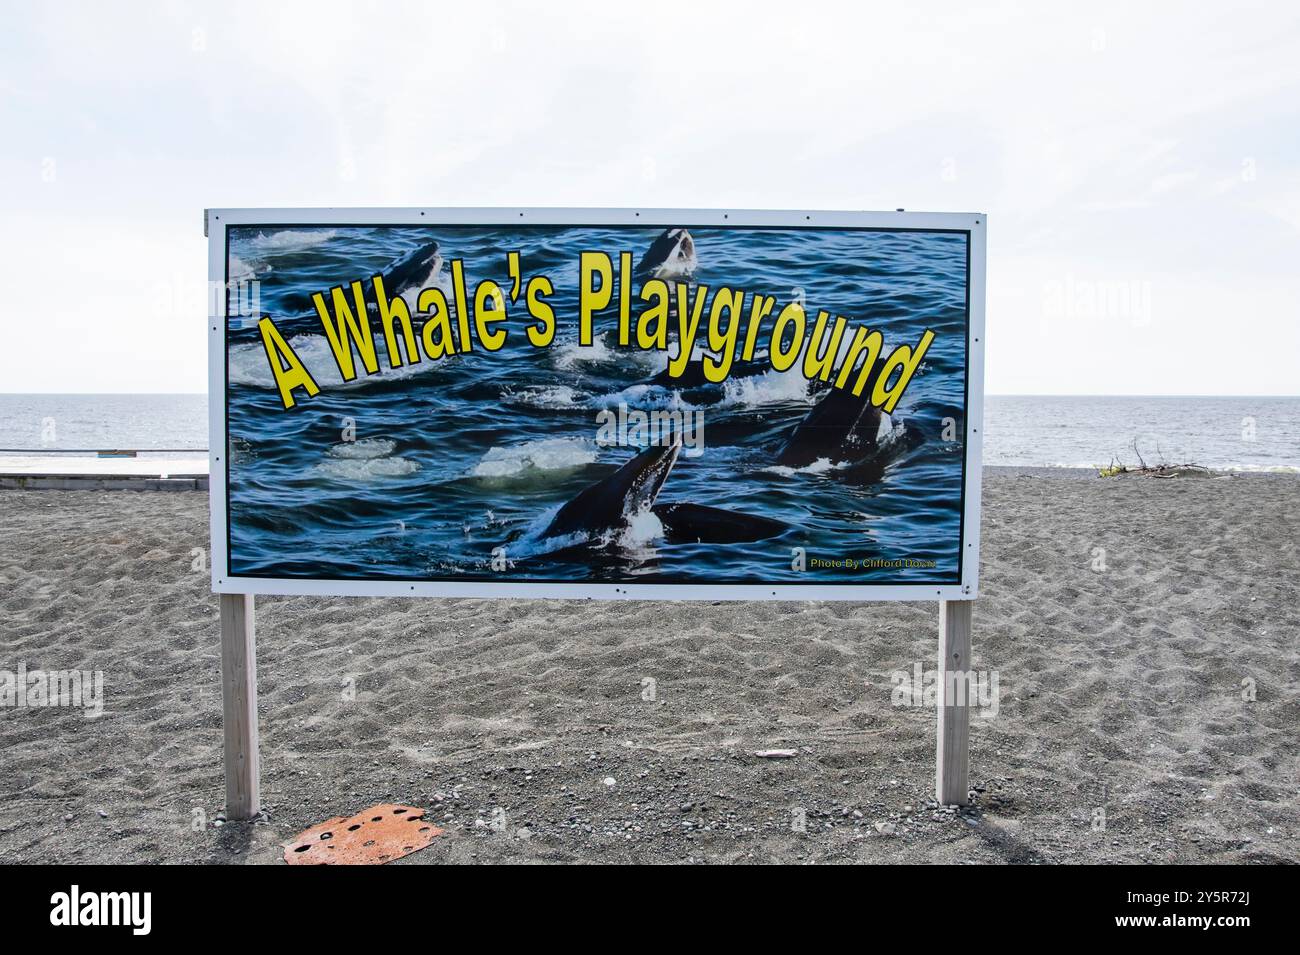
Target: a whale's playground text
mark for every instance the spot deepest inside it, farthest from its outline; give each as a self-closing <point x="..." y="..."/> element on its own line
<point x="716" y="319"/>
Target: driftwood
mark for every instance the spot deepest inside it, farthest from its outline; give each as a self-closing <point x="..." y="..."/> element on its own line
<point x="1162" y="470"/>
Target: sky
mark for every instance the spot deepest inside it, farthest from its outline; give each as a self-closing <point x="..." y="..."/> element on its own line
<point x="1139" y="164"/>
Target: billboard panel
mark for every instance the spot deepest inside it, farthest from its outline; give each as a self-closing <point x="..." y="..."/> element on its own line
<point x="596" y="403"/>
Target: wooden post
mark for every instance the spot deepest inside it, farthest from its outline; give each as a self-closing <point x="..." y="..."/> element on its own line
<point x="952" y="782"/>
<point x="239" y="695"/>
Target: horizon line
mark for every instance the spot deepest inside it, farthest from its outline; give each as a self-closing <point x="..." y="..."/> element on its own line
<point x="988" y="394"/>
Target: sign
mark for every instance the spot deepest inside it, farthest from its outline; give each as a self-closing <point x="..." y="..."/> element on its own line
<point x="661" y="404"/>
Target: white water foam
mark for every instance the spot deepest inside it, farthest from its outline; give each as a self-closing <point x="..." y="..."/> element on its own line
<point x="366" y="470"/>
<point x="549" y="398"/>
<point x="566" y="398"/>
<point x="291" y="240"/>
<point x="363" y="461"/>
<point x="569" y="354"/>
<point x="441" y="281"/>
<point x="888" y="432"/>
<point x="641" y="529"/>
<point x="771" y="387"/>
<point x="548" y="454"/>
<point x="1264" y="468"/>
<point x="644" y="396"/>
<point x="364" y="450"/>
<point x="242" y="271"/>
<point x="636" y="535"/>
<point x="820" y="466"/>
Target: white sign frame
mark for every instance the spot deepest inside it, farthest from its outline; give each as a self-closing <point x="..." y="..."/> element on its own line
<point x="217" y="221"/>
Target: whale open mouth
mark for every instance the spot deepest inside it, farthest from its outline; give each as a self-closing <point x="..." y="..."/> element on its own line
<point x="686" y="250"/>
<point x="430" y="256"/>
<point x="652" y="469"/>
<point x="671" y="254"/>
<point x="427" y="264"/>
<point x="681" y="261"/>
<point x="608" y="504"/>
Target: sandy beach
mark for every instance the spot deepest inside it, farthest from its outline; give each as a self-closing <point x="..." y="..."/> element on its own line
<point x="1128" y="620"/>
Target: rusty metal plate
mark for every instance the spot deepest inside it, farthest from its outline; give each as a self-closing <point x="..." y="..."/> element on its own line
<point x="374" y="836"/>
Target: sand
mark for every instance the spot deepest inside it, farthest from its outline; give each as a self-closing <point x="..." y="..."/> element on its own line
<point x="523" y="728"/>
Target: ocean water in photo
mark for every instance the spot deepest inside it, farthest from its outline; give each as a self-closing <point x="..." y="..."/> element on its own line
<point x="423" y="472"/>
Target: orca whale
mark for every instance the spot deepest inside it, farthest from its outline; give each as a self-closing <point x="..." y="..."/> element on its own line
<point x="606" y="506"/>
<point x="672" y="254"/>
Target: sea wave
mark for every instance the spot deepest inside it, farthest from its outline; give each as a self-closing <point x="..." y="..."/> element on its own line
<point x="635" y="535"/>
<point x="820" y="466"/>
<point x="567" y="398"/>
<point x="1263" y="468"/>
<point x="361" y="462"/>
<point x="644" y="396"/>
<point x="548" y="397"/>
<point x="243" y="270"/>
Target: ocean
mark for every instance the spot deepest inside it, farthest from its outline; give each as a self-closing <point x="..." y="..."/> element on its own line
<point x="1020" y="430"/>
<point x="1246" y="434"/>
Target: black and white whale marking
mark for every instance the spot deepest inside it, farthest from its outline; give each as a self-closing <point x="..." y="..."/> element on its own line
<point x="669" y="256"/>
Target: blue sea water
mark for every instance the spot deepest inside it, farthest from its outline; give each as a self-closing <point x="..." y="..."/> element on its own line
<point x="423" y="472"/>
<point x="1238" y="433"/>
<point x="64" y="423"/>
